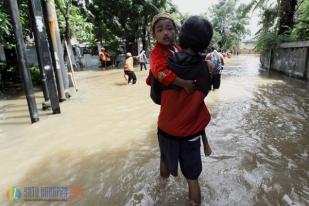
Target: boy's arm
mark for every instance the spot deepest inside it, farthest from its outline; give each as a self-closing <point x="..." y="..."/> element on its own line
<point x="208" y="56"/>
<point x="221" y="58"/>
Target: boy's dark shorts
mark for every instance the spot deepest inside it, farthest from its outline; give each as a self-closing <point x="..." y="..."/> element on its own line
<point x="186" y="151"/>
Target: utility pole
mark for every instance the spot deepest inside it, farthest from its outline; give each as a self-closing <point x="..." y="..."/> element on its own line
<point x="57" y="51"/>
<point x="21" y="54"/>
<point x="43" y="53"/>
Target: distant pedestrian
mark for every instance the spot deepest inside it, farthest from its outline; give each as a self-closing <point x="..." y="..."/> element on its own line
<point x="108" y="58"/>
<point x="129" y="69"/>
<point x="218" y="60"/>
<point x="103" y="58"/>
<point x="142" y="59"/>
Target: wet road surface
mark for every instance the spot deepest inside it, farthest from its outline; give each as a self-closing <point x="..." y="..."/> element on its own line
<point x="105" y="142"/>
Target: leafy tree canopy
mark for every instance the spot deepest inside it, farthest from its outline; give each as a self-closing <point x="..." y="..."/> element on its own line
<point x="229" y="22"/>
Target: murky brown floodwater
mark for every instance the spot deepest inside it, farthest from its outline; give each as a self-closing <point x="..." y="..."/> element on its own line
<point x="104" y="141"/>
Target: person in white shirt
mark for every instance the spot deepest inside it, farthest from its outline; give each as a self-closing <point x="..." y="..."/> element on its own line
<point x="218" y="61"/>
<point x="142" y="59"/>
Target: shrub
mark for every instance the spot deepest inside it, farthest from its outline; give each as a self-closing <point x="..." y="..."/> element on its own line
<point x="35" y="75"/>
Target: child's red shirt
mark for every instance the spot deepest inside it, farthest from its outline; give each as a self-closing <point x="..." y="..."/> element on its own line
<point x="158" y="63"/>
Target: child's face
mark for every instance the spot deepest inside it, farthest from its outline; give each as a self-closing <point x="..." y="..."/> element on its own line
<point x="164" y="32"/>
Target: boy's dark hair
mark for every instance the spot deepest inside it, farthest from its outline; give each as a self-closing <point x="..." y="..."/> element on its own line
<point x="195" y="33"/>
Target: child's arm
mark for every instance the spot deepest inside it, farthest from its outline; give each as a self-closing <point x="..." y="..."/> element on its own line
<point x="222" y="59"/>
<point x="188" y="85"/>
<point x="159" y="68"/>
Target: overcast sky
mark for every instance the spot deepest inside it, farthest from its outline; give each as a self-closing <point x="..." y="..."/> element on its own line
<point x="202" y="6"/>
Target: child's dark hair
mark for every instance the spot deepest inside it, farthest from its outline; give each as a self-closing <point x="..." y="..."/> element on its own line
<point x="195" y="33"/>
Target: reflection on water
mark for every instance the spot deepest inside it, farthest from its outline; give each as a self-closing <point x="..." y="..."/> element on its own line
<point x="259" y="133"/>
<point x="264" y="125"/>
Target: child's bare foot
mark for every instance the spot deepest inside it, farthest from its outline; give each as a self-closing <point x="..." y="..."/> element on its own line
<point x="207" y="150"/>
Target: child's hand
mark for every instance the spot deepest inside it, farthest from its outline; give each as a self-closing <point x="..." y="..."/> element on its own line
<point x="190" y="86"/>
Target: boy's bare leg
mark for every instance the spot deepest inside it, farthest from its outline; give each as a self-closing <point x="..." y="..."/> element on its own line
<point x="194" y="192"/>
<point x="164" y="172"/>
<point x="207" y="149"/>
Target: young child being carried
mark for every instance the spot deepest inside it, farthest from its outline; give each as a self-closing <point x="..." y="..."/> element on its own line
<point x="183" y="113"/>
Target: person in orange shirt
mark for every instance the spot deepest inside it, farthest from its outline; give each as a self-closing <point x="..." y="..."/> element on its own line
<point x="103" y="58"/>
<point x="108" y="58"/>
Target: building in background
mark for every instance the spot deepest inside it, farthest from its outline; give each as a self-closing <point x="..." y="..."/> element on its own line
<point x="248" y="47"/>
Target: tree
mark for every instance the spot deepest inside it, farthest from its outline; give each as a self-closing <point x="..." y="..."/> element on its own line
<point x="125" y="21"/>
<point x="268" y="19"/>
<point x="301" y="28"/>
<point x="229" y="23"/>
<point x="73" y="22"/>
<point x="5" y="28"/>
<point x="6" y="31"/>
<point x="287" y="20"/>
<point x="287" y="9"/>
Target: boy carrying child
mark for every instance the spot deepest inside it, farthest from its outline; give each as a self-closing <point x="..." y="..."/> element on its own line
<point x="184" y="79"/>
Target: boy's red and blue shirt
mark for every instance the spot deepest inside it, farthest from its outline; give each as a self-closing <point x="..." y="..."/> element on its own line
<point x="184" y="115"/>
<point x="181" y="114"/>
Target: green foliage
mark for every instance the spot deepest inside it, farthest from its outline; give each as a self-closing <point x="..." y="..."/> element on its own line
<point x="6" y="30"/>
<point x="268" y="19"/>
<point x="269" y="40"/>
<point x="229" y="23"/>
<point x="266" y="41"/>
<point x="301" y="29"/>
<point x="5" y="25"/>
<point x="216" y="38"/>
<point x="35" y="75"/>
<point x="126" y="20"/>
<point x="80" y="26"/>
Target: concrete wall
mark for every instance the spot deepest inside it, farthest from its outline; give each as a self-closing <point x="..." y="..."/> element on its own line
<point x="89" y="61"/>
<point x="291" y="59"/>
<point x="32" y="58"/>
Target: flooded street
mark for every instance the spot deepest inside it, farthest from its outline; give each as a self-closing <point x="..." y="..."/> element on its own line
<point x="104" y="142"/>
